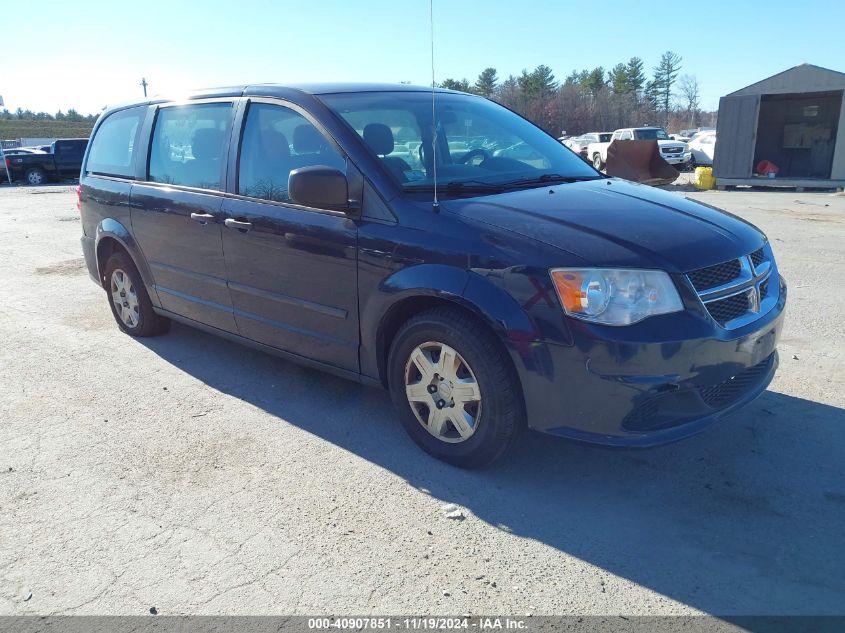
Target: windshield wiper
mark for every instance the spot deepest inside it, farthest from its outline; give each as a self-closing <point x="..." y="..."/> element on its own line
<point x="480" y="186"/>
<point x="546" y="179"/>
<point x="458" y="186"/>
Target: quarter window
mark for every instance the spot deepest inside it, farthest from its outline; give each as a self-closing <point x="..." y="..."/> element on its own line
<point x="189" y="144"/>
<point x="277" y="140"/>
<point x="112" y="148"/>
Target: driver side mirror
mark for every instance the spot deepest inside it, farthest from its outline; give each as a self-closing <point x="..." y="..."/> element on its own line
<point x="319" y="186"/>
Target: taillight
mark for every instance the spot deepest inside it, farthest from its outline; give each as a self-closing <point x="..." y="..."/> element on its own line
<point x="79" y="197"/>
<point x="9" y="163"/>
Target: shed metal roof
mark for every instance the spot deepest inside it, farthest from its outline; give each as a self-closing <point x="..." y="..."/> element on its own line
<point x="803" y="78"/>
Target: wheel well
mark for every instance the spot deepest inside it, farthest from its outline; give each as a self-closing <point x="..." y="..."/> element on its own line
<point x="405" y="310"/>
<point x="105" y="248"/>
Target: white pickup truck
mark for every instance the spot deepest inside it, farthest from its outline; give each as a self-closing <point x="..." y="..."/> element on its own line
<point x="673" y="152"/>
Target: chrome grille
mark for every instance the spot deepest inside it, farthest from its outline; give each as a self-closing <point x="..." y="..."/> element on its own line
<point x="738" y="291"/>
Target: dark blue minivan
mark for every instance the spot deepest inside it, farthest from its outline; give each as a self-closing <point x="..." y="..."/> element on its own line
<point x="436" y="244"/>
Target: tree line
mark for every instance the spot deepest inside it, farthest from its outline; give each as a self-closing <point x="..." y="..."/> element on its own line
<point x="597" y="99"/>
<point x="28" y="115"/>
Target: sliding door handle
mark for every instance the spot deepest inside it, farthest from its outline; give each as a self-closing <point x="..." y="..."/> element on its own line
<point x="202" y="218"/>
<point x="231" y="223"/>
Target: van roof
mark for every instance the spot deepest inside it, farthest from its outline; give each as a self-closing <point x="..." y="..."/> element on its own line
<point x="280" y="90"/>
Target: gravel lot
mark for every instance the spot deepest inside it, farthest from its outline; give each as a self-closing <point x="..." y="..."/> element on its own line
<point x="193" y="475"/>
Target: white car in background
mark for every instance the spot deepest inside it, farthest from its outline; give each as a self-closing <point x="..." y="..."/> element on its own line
<point x="702" y="147"/>
<point x="673" y="152"/>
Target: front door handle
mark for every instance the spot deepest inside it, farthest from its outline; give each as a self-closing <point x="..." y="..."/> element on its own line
<point x="231" y="223"/>
<point x="202" y="218"/>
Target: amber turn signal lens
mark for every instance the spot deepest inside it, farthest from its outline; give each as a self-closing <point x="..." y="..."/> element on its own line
<point x="568" y="284"/>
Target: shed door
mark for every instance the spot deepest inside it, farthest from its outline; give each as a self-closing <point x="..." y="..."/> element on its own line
<point x="736" y="135"/>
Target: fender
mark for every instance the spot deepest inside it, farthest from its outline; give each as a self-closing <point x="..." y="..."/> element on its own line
<point x="436" y="283"/>
<point x="508" y="318"/>
<point x="433" y="282"/>
<point x="515" y="326"/>
<point x="109" y="228"/>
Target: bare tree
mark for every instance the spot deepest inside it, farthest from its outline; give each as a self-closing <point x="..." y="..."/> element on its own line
<point x="690" y="95"/>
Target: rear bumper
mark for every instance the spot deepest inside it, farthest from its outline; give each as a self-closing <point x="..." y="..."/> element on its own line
<point x="648" y="386"/>
<point x="88" y="251"/>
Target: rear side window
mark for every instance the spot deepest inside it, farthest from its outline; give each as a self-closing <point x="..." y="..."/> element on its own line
<point x="113" y="146"/>
<point x="277" y="140"/>
<point x="70" y="150"/>
<point x="189" y="143"/>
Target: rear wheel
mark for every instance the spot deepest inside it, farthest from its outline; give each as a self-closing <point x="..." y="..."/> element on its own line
<point x="128" y="298"/>
<point x="35" y="176"/>
<point x="456" y="392"/>
<point x="598" y="163"/>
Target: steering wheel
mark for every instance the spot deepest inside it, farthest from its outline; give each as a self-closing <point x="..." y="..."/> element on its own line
<point x="474" y="153"/>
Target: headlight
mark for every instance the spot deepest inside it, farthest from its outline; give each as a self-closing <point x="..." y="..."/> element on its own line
<point x="615" y="296"/>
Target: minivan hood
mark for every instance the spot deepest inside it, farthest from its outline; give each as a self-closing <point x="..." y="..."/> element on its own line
<point x="612" y="222"/>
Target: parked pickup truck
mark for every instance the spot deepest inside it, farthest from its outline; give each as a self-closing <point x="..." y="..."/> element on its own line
<point x="673" y="152"/>
<point x="64" y="160"/>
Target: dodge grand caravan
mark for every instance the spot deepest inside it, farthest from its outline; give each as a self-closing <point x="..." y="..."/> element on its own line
<point x="443" y="248"/>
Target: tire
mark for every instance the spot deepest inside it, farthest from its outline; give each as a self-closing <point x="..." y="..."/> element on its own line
<point x="485" y="429"/>
<point x="136" y="316"/>
<point x="691" y="164"/>
<point x="35" y="176"/>
<point x="598" y="163"/>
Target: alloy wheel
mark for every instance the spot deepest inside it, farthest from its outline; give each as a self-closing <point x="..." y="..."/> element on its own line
<point x="125" y="298"/>
<point x="443" y="392"/>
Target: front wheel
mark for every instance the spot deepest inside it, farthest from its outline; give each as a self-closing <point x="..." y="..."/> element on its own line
<point x="455" y="390"/>
<point x="35" y="176"/>
<point x="598" y="163"/>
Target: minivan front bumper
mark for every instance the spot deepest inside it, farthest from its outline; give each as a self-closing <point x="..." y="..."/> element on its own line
<point x="626" y="392"/>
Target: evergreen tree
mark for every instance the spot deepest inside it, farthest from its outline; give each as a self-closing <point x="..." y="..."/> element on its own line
<point x="665" y="74"/>
<point x="594" y="82"/>
<point x="636" y="76"/>
<point x="617" y="79"/>
<point x="461" y="85"/>
<point x="544" y="79"/>
<point x="486" y="83"/>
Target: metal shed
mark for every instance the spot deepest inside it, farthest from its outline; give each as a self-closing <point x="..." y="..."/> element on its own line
<point x="795" y="119"/>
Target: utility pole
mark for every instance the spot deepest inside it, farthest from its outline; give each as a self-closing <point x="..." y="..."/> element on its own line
<point x="144" y="85"/>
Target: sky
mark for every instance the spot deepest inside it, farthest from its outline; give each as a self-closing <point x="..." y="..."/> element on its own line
<point x="89" y="54"/>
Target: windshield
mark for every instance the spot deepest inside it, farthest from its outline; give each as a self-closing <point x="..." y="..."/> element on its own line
<point x="651" y="134"/>
<point x="480" y="145"/>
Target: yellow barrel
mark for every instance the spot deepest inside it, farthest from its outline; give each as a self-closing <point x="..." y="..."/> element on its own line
<point x="704" y="179"/>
